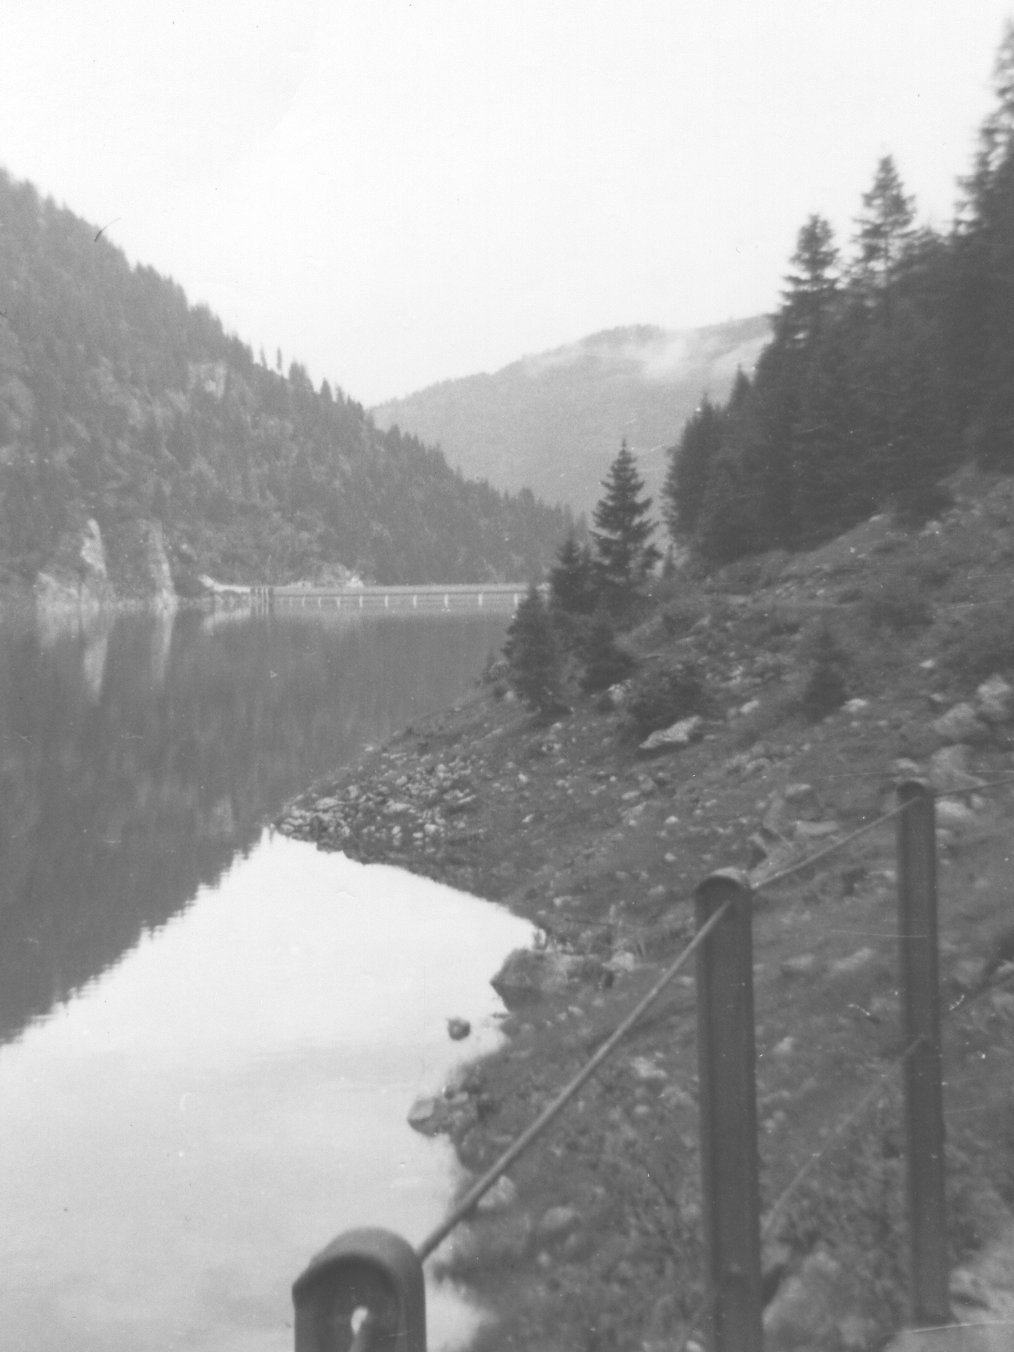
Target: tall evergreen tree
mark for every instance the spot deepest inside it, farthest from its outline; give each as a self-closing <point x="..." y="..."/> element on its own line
<point x="690" y="464"/>
<point x="572" y="578"/>
<point x="982" y="310"/>
<point x="533" y="659"/>
<point x="885" y="231"/>
<point x="811" y="287"/>
<point x="623" y="528"/>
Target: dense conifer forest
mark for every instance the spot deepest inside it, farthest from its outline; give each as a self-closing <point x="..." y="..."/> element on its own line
<point x="891" y="364"/>
<point x="119" y="401"/>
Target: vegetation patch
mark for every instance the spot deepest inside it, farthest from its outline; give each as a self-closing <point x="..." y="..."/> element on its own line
<point x="664" y="693"/>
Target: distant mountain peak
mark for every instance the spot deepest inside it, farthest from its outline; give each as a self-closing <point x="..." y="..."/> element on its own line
<point x="552" y="421"/>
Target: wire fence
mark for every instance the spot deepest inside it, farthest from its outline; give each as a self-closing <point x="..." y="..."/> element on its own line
<point x="729" y="1316"/>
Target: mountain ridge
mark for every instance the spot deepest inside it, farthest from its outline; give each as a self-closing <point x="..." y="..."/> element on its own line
<point x="123" y="403"/>
<point x="552" y="421"/>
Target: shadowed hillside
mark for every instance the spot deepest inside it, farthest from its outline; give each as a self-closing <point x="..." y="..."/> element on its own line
<point x="121" y="403"/>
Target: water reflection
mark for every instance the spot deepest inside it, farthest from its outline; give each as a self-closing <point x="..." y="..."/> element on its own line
<point x="140" y="755"/>
<point x="177" y="1139"/>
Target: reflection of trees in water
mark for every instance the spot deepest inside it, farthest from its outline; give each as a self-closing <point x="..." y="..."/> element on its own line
<point x="128" y="781"/>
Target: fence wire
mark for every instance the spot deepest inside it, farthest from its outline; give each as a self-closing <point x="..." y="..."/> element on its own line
<point x="468" y="1202"/>
<point x="532" y="1133"/>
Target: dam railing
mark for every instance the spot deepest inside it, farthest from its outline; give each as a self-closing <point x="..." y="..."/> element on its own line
<point x="365" y="1291"/>
<point x="423" y="597"/>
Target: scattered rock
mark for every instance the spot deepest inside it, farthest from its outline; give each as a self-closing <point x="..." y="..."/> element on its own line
<point x="499" y="1239"/>
<point x="994" y="700"/>
<point x="802" y="801"/>
<point x="423" y="1114"/>
<point x="805" y="1311"/>
<point x="803" y="965"/>
<point x="855" y="962"/>
<point x="501" y="1196"/>
<point x="645" y="1069"/>
<point x="811" y="832"/>
<point x="458" y="1029"/>
<point x="617" y="695"/>
<point x="557" y="1221"/>
<point x="953" y="814"/>
<point x="673" y="738"/>
<point x="950" y="769"/>
<point x="961" y="723"/>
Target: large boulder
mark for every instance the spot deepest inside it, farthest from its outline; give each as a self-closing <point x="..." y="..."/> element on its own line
<point x="962" y="723"/>
<point x="994" y="701"/>
<point x="950" y="769"/>
<point x="529" y="975"/>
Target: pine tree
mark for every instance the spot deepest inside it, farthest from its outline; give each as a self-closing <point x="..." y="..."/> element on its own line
<point x="885" y="232"/>
<point x="605" y="662"/>
<point x="533" y="659"/>
<point x="982" y="310"/>
<point x="572" y="579"/>
<point x="811" y="288"/>
<point x="731" y="521"/>
<point x="624" y="554"/>
<point x="690" y="463"/>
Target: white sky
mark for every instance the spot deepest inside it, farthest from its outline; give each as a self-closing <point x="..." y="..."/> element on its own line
<point x="399" y="191"/>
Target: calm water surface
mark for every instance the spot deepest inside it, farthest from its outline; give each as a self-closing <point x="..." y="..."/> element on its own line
<point x="212" y="1036"/>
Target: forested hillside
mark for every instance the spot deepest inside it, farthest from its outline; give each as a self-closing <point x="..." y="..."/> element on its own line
<point x="892" y="363"/>
<point x="121" y="402"/>
<point x="553" y="421"/>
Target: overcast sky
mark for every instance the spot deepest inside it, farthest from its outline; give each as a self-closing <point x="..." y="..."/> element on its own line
<point x="400" y="191"/>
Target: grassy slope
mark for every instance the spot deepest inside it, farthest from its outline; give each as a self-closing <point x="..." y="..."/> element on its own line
<point x="569" y="827"/>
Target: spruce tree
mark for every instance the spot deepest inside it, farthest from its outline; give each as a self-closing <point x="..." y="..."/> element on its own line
<point x="571" y="580"/>
<point x="533" y="659"/>
<point x="690" y="464"/>
<point x="623" y="529"/>
<point x="811" y="287"/>
<point x="982" y="313"/>
<point x="885" y="232"/>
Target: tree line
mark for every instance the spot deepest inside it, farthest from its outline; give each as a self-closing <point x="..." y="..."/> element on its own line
<point x="890" y="365"/>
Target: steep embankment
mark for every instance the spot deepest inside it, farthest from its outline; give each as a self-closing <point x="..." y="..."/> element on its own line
<point x="595" y="1241"/>
<point x="554" y="421"/>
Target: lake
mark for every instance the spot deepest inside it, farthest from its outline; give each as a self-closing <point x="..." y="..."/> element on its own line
<point x="211" y="1035"/>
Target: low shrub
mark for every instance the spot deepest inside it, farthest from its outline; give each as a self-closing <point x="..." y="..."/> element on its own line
<point x="980" y="642"/>
<point x="897" y="601"/>
<point x="663" y="694"/>
<point x="912" y="507"/>
<point x="606" y="662"/>
<point x="826" y="686"/>
<point x="680" y="615"/>
<point x="742" y="576"/>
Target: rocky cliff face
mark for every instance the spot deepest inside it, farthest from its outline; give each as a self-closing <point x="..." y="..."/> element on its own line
<point x="89" y="571"/>
<point x="78" y="577"/>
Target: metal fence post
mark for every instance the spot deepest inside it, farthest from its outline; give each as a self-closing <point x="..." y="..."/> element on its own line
<point x="728" y="1116"/>
<point x="920" y="996"/>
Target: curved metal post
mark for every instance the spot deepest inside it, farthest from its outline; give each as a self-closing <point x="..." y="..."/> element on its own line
<point x="363" y="1293"/>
